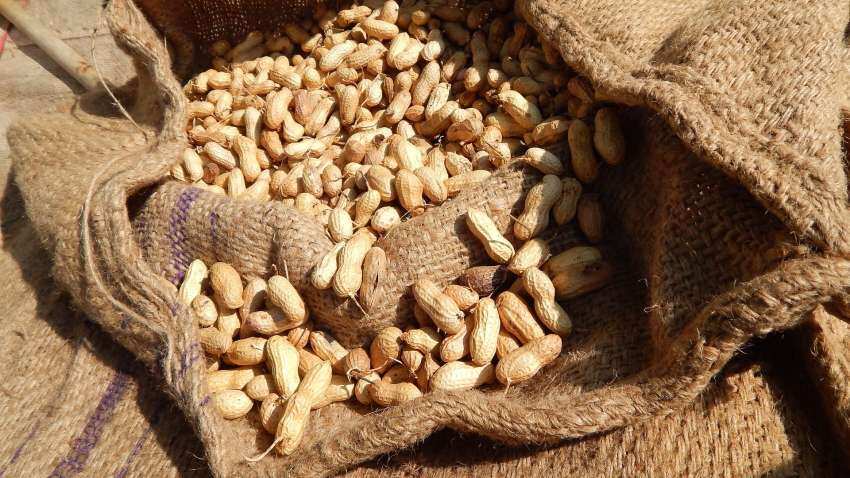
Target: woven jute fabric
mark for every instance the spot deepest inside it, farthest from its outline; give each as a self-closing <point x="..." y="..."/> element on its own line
<point x="727" y="221"/>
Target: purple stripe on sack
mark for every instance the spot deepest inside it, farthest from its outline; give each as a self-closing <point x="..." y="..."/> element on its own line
<point x="177" y="233"/>
<point x="82" y="446"/>
<point x="137" y="447"/>
<point x="188" y="358"/>
<point x="214" y="229"/>
<point x="20" y="449"/>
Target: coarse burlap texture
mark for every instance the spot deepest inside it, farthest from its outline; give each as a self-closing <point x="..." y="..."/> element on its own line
<point x="728" y="218"/>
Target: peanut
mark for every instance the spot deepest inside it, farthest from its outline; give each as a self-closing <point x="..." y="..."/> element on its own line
<point x="524" y="112"/>
<point x="324" y="271"/>
<point x="459" y="376"/>
<point x="249" y="351"/>
<point x="339" y="390"/>
<point x="482" y="226"/>
<point x="455" y="346"/>
<point x="282" y="294"/>
<point x="440" y="307"/>
<point x="581" y="279"/>
<point x="349" y="274"/>
<point x="296" y="415"/>
<point x="205" y="310"/>
<point x="483" y="338"/>
<point x="584" y="163"/>
<point x="271" y="410"/>
<point x="544" y="161"/>
<point x="516" y="317"/>
<point x="226" y="284"/>
<point x="260" y="387"/>
<point x="232" y="379"/>
<point x="524" y="362"/>
<point x="425" y="340"/>
<point x="232" y="404"/>
<point x="565" y="209"/>
<point x="532" y="254"/>
<point x="540" y="288"/>
<point x="282" y="359"/>
<point x="384" y="219"/>
<point x="464" y="297"/>
<point x="485" y="280"/>
<point x="385" y="348"/>
<point x="505" y="344"/>
<point x="194" y="277"/>
<point x="591" y="221"/>
<point x="300" y="336"/>
<point x="374" y="274"/>
<point x="538" y="202"/>
<point x="390" y="394"/>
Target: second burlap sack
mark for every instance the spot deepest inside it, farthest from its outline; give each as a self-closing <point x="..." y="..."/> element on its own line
<point x="729" y="219"/>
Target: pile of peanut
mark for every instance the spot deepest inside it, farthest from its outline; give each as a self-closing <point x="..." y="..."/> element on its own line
<point x="384" y="111"/>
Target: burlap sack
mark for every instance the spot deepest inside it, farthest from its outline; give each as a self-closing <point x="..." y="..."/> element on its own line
<point x="734" y="114"/>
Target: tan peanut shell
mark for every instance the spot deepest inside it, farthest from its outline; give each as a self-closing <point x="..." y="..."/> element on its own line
<point x="340" y="225"/>
<point x="532" y="254"/>
<point x="482" y="226"/>
<point x="327" y="348"/>
<point x="389" y="394"/>
<point x="425" y="340"/>
<point x="232" y="404"/>
<point x="484" y="334"/>
<point x="205" y="310"/>
<point x="440" y="307"/>
<point x="349" y="273"/>
<point x="260" y="387"/>
<point x="459" y="376"/>
<point x="192" y="281"/>
<point x="524" y="112"/>
<point x="583" y="160"/>
<point x="339" y="390"/>
<point x="505" y="344"/>
<point x="249" y="351"/>
<point x="455" y="346"/>
<point x="282" y="294"/>
<point x="540" y="288"/>
<point x="464" y="297"/>
<point x="230" y="379"/>
<point x="565" y="209"/>
<point x="538" y="203"/>
<point x="412" y="359"/>
<point x="282" y="360"/>
<point x="306" y="361"/>
<point x="271" y="410"/>
<point x="213" y="341"/>
<point x="582" y="279"/>
<point x="226" y="284"/>
<point x="591" y="220"/>
<point x="544" y="161"/>
<point x="524" y="362"/>
<point x="323" y="272"/>
<point x="517" y="318"/>
<point x="312" y="388"/>
<point x="253" y="297"/>
<point x="374" y="274"/>
<point x="608" y="136"/>
<point x="385" y="348"/>
<point x="228" y="322"/>
<point x="410" y="192"/>
<point x="384" y="219"/>
<point x="300" y="336"/>
<point x="361" y="388"/>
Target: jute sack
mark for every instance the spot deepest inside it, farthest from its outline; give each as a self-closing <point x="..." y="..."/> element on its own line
<point x="729" y="218"/>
